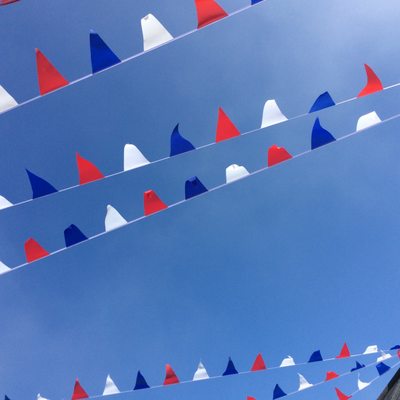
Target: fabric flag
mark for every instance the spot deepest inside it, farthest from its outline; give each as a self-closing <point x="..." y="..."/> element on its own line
<point x="113" y="219"/>
<point x="34" y="251"/>
<point x="133" y="157"/>
<point x="341" y="395"/>
<point x="367" y="120"/>
<point x="101" y="55"/>
<point x="4" y="268"/>
<point x="48" y="76"/>
<point x="140" y="382"/>
<point x="384" y="356"/>
<point x="324" y="100"/>
<point x="249" y="397"/>
<point x="178" y="143"/>
<point x="208" y="11"/>
<point x="371" y="349"/>
<point x="255" y="1"/>
<point x="4" y="203"/>
<point x="382" y="368"/>
<point x="230" y="368"/>
<point x="39" y="397"/>
<point x="6" y="397"/>
<point x="362" y="385"/>
<point x="395" y="347"/>
<point x="315" y="357"/>
<point x="258" y="364"/>
<point x="287" y="362"/>
<point x="110" y="387"/>
<point x="40" y="187"/>
<point x="278" y="392"/>
<point x="152" y="203"/>
<point x="303" y="383"/>
<point x="88" y="172"/>
<point x="79" y="392"/>
<point x="235" y="172"/>
<point x="194" y="187"/>
<point x="73" y="235"/>
<point x="4" y="3"/>
<point x="345" y="352"/>
<point x="272" y="114"/>
<point x="331" y="375"/>
<point x="6" y="100"/>
<point x="154" y="32"/>
<point x="373" y="85"/>
<point x="358" y="366"/>
<point x="277" y="155"/>
<point x="225" y="127"/>
<point x="170" y="376"/>
<point x="201" y="373"/>
<point x="320" y="136"/>
<point x="398" y="353"/>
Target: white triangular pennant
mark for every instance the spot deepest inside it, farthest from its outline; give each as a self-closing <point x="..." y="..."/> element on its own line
<point x="111" y="387"/>
<point x="362" y="385"/>
<point x="303" y="382"/>
<point x="39" y="397"/>
<point x="6" y="100"/>
<point x="113" y="219"/>
<point x="235" y="172"/>
<point x="154" y="32"/>
<point x="367" y="120"/>
<point x="287" y="362"/>
<point x="272" y="114"/>
<point x="384" y="356"/>
<point x="371" y="349"/>
<point x="4" y="268"/>
<point x="201" y="373"/>
<point x="133" y="157"/>
<point x="4" y="203"/>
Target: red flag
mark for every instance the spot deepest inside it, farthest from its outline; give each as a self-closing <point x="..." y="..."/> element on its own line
<point x="277" y="155"/>
<point x="88" y="172"/>
<point x="345" y="352"/>
<point x="331" y="375"/>
<point x="258" y="364"/>
<point x="373" y="85"/>
<point x="79" y="392"/>
<point x="251" y="398"/>
<point x="208" y="11"/>
<point x="152" y="203"/>
<point x="48" y="76"/>
<point x="5" y="2"/>
<point x="34" y="251"/>
<point x="341" y="395"/>
<point x="170" y="376"/>
<point x="398" y="353"/>
<point x="225" y="127"/>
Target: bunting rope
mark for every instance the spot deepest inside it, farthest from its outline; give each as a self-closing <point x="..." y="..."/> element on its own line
<point x="84" y="239"/>
<point x="210" y="144"/>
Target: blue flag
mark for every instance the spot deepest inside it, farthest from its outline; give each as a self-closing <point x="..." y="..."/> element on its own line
<point x="382" y="368"/>
<point x="230" y="368"/>
<point x="140" y="382"/>
<point x="40" y="187"/>
<point x="323" y="101"/>
<point x="320" y="136"/>
<point x="278" y="392"/>
<point x="102" y="56"/>
<point x="178" y="143"/>
<point x="194" y="187"/>
<point x="358" y="366"/>
<point x="73" y="235"/>
<point x="316" y="356"/>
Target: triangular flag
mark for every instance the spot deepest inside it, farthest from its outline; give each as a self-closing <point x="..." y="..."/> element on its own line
<point x="303" y="383"/>
<point x="133" y="157"/>
<point x="4" y="203"/>
<point x="341" y="395"/>
<point x="73" y="235"/>
<point x="154" y="32"/>
<point x="278" y="392"/>
<point x="382" y="368"/>
<point x="398" y="353"/>
<point x="255" y="1"/>
<point x="170" y="376"/>
<point x="225" y="127"/>
<point x="178" y="143"/>
<point x="79" y="392"/>
<point x="320" y="136"/>
<point x="208" y="11"/>
<point x="201" y="373"/>
<point x="40" y="187"/>
<point x="277" y="155"/>
<point x="34" y="251"/>
<point x="373" y="85"/>
<point x="258" y="364"/>
<point x="249" y="397"/>
<point x="230" y="368"/>
<point x="102" y="56"/>
<point x="194" y="187"/>
<point x="152" y="203"/>
<point x="235" y="172"/>
<point x="6" y="397"/>
<point x="345" y="352"/>
<point x="39" y="397"/>
<point x="4" y="3"/>
<point x="331" y="375"/>
<point x="6" y="100"/>
<point x="384" y="356"/>
<point x="368" y="120"/>
<point x="358" y="366"/>
<point x="395" y="347"/>
<point x="315" y="357"/>
<point x="371" y="349"/>
<point x="110" y="387"/>
<point x="272" y="114"/>
<point x="362" y="385"/>
<point x="88" y="172"/>
<point x="287" y="362"/>
<point x="140" y="382"/>
<point x="113" y="219"/>
<point x="48" y="76"/>
<point x="324" y="100"/>
<point x="4" y="268"/>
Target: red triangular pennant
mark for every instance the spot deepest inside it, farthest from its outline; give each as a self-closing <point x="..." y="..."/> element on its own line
<point x="34" y="251"/>
<point x="341" y="395"/>
<point x="251" y="398"/>
<point x="277" y="155"/>
<point x="79" y="392"/>
<point x="152" y="203"/>
<point x="331" y="375"/>
<point x="48" y="76"/>
<point x="170" y="376"/>
<point x="373" y="85"/>
<point x="208" y="11"/>
<point x="345" y="352"/>
<point x="225" y="127"/>
<point x="88" y="172"/>
<point x="258" y="364"/>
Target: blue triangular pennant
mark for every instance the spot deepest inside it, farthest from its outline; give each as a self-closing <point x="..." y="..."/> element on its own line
<point x="194" y="187"/>
<point x="102" y="56"/>
<point x="255" y="1"/>
<point x="323" y="101"/>
<point x="320" y="136"/>
<point x="140" y="382"/>
<point x="358" y="366"/>
<point x="6" y="397"/>
<point x="178" y="143"/>
<point x="397" y="347"/>
<point x="40" y="187"/>
<point x="230" y="368"/>
<point x="382" y="368"/>
<point x="73" y="235"/>
<point x="316" y="356"/>
<point x="278" y="392"/>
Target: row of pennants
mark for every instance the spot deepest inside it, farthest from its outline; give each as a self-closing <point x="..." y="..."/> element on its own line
<point x="171" y="378"/>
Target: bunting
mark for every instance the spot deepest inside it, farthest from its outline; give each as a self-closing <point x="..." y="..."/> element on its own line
<point x="277" y="155"/>
<point x="303" y="383"/>
<point x="154" y="32"/>
<point x="178" y="143"/>
<point x="225" y="127"/>
<point x="79" y="392"/>
<point x="113" y="219"/>
<point x="320" y="136"/>
<point x="230" y="368"/>
<point x="272" y="114"/>
<point x="344" y="352"/>
<point x="341" y="395"/>
<point x="73" y="235"/>
<point x="278" y="392"/>
<point x="87" y="171"/>
<point x="373" y="85"/>
<point x="208" y="11"/>
<point x="324" y="100"/>
<point x="40" y="187"/>
<point x="133" y="157"/>
<point x="170" y="376"/>
<point x="235" y="172"/>
<point x="258" y="364"/>
<point x="4" y="268"/>
<point x="110" y="387"/>
<point x="34" y="251"/>
<point x="140" y="382"/>
<point x="194" y="187"/>
<point x="152" y="203"/>
<point x="4" y="3"/>
<point x="101" y="55"/>
<point x="201" y="373"/>
<point x="367" y="120"/>
<point x="4" y="203"/>
<point x="6" y="100"/>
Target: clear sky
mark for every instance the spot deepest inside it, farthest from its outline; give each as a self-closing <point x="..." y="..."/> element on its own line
<point x="298" y="258"/>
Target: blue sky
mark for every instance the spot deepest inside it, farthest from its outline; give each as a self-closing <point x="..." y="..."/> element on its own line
<point x="291" y="260"/>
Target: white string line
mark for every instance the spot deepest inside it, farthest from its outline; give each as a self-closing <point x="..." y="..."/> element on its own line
<point x="137" y="55"/>
<point x="215" y="188"/>
<point x="258" y="130"/>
